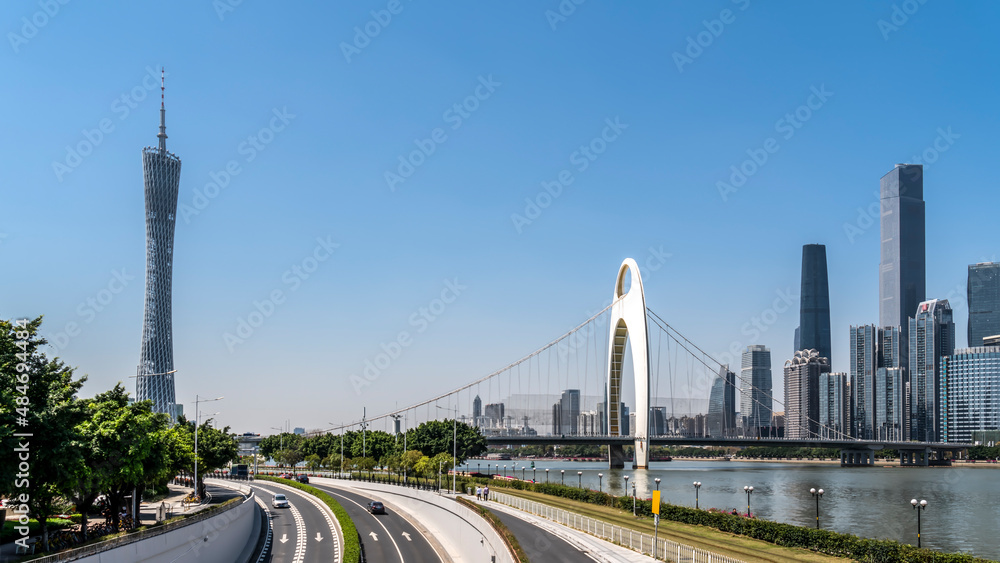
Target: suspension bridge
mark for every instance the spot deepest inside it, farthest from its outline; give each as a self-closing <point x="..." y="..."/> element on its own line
<point x="573" y="391"/>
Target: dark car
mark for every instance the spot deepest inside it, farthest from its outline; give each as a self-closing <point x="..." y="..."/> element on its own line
<point x="302" y="478"/>
<point x="376" y="507"/>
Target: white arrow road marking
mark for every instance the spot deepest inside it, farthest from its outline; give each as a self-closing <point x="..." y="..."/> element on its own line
<point x="319" y="537"/>
<point x="372" y="534"/>
<point x="284" y="538"/>
<point x="377" y="521"/>
<point x="407" y="536"/>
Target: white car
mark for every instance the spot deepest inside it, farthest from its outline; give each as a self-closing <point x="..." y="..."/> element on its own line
<point x="279" y="501"/>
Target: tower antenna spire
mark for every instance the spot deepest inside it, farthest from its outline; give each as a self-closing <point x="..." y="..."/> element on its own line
<point x="163" y="114"/>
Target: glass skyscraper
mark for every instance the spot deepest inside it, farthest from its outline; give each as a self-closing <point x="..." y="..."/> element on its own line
<point x="802" y="393"/>
<point x="932" y="336"/>
<point x="755" y="389"/>
<point x="722" y="404"/>
<point x="161" y="172"/>
<point x="984" y="302"/>
<point x="864" y="362"/>
<point x="814" y="302"/>
<point x="834" y="406"/>
<point x="971" y="400"/>
<point x="902" y="271"/>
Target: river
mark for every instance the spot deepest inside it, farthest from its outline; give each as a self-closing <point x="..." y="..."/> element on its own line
<point x="962" y="514"/>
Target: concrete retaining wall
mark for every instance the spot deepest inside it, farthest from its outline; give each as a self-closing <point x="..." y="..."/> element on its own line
<point x="221" y="537"/>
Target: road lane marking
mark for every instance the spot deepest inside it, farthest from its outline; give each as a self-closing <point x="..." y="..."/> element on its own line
<point x="407" y="536"/>
<point x="398" y="551"/>
<point x="374" y="537"/>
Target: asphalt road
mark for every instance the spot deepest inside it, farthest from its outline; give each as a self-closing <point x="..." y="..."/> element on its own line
<point x="539" y="544"/>
<point x="302" y="532"/>
<point x="387" y="537"/>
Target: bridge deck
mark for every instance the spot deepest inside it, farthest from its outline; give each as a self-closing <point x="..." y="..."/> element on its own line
<point x="739" y="442"/>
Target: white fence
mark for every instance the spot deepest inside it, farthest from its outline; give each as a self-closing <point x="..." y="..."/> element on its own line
<point x="666" y="550"/>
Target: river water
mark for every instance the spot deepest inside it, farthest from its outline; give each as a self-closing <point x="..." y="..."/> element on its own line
<point x="962" y="514"/>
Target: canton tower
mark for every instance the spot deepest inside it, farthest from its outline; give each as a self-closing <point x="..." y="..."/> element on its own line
<point x="161" y="172"/>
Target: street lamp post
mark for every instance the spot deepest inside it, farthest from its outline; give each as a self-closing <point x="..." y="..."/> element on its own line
<point x="749" y="491"/>
<point x="533" y="474"/>
<point x="817" y="494"/>
<point x="454" y="444"/>
<point x="600" y="482"/>
<point x="633" y="498"/>
<point x="919" y="507"/>
<point x="546" y="475"/>
<point x="197" y="403"/>
<point x="505" y="471"/>
<point x="697" y="485"/>
<point x="579" y="478"/>
<point x="562" y="476"/>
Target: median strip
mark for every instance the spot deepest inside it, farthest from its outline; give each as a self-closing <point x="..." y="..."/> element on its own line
<point x="352" y="546"/>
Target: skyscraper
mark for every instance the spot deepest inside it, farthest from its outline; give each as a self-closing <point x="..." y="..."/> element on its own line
<point x="932" y="336"/>
<point x="984" y="302"/>
<point x="814" y="303"/>
<point x="755" y="389"/>
<point x="721" y="419"/>
<point x="971" y="399"/>
<point x="802" y="393"/>
<point x="891" y="413"/>
<point x="834" y="406"/>
<point x="566" y="413"/>
<point x="902" y="272"/>
<point x="864" y="363"/>
<point x="477" y="411"/>
<point x="161" y="178"/>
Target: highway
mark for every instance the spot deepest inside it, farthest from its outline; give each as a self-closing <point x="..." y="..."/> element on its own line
<point x="387" y="537"/>
<point x="539" y="544"/>
<point x="303" y="532"/>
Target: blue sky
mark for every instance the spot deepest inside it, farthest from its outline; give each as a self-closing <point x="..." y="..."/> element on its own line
<point x="312" y="119"/>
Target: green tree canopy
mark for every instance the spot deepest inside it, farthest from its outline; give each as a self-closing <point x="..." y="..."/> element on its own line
<point x="436" y="436"/>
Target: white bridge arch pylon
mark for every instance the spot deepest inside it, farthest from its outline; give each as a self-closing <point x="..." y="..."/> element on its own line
<point x="628" y="324"/>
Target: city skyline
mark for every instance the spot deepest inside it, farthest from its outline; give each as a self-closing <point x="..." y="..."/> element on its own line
<point x="299" y="173"/>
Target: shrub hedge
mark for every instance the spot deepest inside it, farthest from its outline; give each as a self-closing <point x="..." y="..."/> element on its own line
<point x="500" y="527"/>
<point x="352" y="546"/>
<point x="788" y="535"/>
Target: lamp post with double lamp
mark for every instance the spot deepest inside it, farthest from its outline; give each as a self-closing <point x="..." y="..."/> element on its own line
<point x="197" y="404"/>
<point x="749" y="491"/>
<point x="454" y="444"/>
<point x="697" y="485"/>
<point x="817" y="494"/>
<point x="919" y="507"/>
<point x="600" y="482"/>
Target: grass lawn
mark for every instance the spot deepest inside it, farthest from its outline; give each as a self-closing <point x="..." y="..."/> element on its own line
<point x="724" y="543"/>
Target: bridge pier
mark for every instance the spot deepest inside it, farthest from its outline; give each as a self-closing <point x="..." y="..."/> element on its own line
<point x="919" y="458"/>
<point x="616" y="456"/>
<point x="857" y="458"/>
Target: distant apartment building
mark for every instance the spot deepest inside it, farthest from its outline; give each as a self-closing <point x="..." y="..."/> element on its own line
<point x="755" y="402"/>
<point x="566" y="414"/>
<point x="970" y="401"/>
<point x="834" y="406"/>
<point x="802" y="393"/>
<point x="721" y="419"/>
<point x="493" y="415"/>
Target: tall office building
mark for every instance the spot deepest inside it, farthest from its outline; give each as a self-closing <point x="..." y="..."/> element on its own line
<point x="984" y="302"/>
<point x="971" y="399"/>
<point x="721" y="420"/>
<point x="657" y="421"/>
<point x="477" y="410"/>
<point x="891" y="412"/>
<point x="864" y="363"/>
<point x="566" y="413"/>
<point x="814" y="302"/>
<point x="802" y="393"/>
<point x="493" y="415"/>
<point x="161" y="172"/>
<point x="932" y="336"/>
<point x="755" y="389"/>
<point x="834" y="406"/>
<point x="902" y="271"/>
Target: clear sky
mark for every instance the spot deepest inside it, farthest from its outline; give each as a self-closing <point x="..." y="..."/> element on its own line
<point x="298" y="124"/>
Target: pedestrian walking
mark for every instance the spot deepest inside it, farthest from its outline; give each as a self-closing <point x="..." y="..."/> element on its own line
<point x="486" y="493"/>
<point x="479" y="493"/>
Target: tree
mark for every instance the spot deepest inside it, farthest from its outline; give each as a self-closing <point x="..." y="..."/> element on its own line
<point x="322" y="445"/>
<point x="410" y="460"/>
<point x="216" y="448"/>
<point x="375" y="444"/>
<point x="37" y="401"/>
<point x="313" y="462"/>
<point x="289" y="457"/>
<point x="436" y="436"/>
<point x="271" y="445"/>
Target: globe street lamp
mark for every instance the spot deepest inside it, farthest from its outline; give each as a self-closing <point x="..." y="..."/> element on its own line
<point x="505" y="471"/>
<point x="562" y="476"/>
<point x="818" y="494"/>
<point x="749" y="491"/>
<point x="697" y="485"/>
<point x="579" y="476"/>
<point x="633" y="498"/>
<point x="600" y="482"/>
<point x="919" y="507"/>
<point x="626" y="492"/>
<point x="546" y="474"/>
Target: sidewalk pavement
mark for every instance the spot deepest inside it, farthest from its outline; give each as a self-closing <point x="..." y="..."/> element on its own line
<point x="600" y="549"/>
